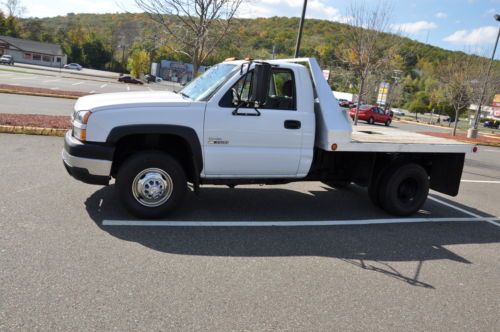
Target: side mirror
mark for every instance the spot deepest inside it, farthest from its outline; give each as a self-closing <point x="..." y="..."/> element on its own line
<point x="260" y="83"/>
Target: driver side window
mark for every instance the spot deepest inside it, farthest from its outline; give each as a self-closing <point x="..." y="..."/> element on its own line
<point x="240" y="93"/>
<point x="281" y="94"/>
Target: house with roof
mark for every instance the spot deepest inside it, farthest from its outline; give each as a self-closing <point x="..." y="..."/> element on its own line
<point x="33" y="52"/>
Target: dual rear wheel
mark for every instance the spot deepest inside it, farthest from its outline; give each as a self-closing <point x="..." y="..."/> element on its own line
<point x="401" y="189"/>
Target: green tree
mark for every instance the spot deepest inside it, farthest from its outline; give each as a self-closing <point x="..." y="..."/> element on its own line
<point x="138" y="63"/>
<point x="32" y="29"/>
<point x="12" y="27"/>
<point x="419" y="103"/>
<point x="95" y="54"/>
<point x="3" y="23"/>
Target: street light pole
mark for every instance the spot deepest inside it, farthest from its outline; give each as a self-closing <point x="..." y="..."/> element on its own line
<point x="301" y="27"/>
<point x="472" y="132"/>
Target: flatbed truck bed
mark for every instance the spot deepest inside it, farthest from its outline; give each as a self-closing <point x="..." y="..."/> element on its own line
<point x="388" y="139"/>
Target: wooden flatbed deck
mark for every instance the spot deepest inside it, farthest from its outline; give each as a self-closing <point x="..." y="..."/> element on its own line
<point x="386" y="139"/>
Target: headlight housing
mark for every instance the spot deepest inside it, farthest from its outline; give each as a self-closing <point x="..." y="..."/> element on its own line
<point x="79" y="119"/>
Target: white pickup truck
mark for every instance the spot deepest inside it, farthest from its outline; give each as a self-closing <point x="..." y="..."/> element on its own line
<point x="250" y="122"/>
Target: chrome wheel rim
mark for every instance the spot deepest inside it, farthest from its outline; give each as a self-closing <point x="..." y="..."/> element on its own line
<point x="152" y="187"/>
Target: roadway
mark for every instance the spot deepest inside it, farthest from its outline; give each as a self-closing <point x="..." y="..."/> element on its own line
<point x="83" y="72"/>
<point x="73" y="82"/>
<point x="64" y="268"/>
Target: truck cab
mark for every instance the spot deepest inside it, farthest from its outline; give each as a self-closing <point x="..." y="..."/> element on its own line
<point x="245" y="121"/>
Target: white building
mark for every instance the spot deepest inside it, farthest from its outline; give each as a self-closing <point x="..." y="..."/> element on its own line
<point x="489" y="112"/>
<point x="33" y="52"/>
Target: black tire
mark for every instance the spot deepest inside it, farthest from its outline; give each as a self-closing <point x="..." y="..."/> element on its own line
<point x="160" y="164"/>
<point x="371" y="121"/>
<point x="388" y="123"/>
<point x="337" y="184"/>
<point x="373" y="194"/>
<point x="403" y="189"/>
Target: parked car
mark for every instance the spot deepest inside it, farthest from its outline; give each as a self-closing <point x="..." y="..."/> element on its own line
<point x="7" y="59"/>
<point x="491" y="124"/>
<point x="371" y="114"/>
<point x="74" y="66"/>
<point x="398" y="112"/>
<point x="152" y="78"/>
<point x="449" y="119"/>
<point x="129" y="79"/>
<point x="345" y="103"/>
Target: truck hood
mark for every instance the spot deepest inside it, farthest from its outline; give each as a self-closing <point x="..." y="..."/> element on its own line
<point x="130" y="99"/>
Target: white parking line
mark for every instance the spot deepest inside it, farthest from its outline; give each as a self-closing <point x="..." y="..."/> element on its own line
<point x="104" y="85"/>
<point x="54" y="88"/>
<point x="92" y="91"/>
<point x="478" y="217"/>
<point x="50" y="81"/>
<point x="128" y="87"/>
<point x="481" y="181"/>
<point x="78" y="83"/>
<point x="150" y="89"/>
<point x="25" y="78"/>
<point x="179" y="223"/>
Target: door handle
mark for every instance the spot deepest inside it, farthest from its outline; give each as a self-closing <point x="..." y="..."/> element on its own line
<point x="292" y="124"/>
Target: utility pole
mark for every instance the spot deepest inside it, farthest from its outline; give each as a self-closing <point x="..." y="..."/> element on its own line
<point x="472" y="132"/>
<point x="301" y="27"/>
<point x="122" y="46"/>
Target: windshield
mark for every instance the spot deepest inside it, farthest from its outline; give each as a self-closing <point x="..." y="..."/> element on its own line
<point x="210" y="81"/>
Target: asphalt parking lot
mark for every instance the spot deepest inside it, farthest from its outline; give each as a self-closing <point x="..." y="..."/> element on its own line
<point x="68" y="82"/>
<point x="22" y="104"/>
<point x="62" y="268"/>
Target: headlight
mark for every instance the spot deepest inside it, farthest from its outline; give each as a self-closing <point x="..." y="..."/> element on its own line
<point x="79" y="120"/>
<point x="82" y="116"/>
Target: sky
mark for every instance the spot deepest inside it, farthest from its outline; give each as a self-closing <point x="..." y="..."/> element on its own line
<point x="464" y="25"/>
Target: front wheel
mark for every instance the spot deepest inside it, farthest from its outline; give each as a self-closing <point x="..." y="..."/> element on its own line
<point x="403" y="190"/>
<point x="371" y="121"/>
<point x="151" y="184"/>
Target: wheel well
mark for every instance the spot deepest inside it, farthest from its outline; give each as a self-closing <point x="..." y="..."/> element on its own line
<point x="174" y="145"/>
<point x="444" y="169"/>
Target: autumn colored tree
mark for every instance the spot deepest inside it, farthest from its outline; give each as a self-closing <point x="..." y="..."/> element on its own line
<point x="138" y="63"/>
<point x="365" y="45"/>
<point x="3" y="26"/>
<point x="457" y="76"/>
<point x="197" y="27"/>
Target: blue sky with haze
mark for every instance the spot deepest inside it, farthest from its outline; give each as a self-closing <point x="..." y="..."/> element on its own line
<point x="466" y="25"/>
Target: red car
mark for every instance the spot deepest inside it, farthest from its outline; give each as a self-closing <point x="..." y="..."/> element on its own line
<point x="371" y="114"/>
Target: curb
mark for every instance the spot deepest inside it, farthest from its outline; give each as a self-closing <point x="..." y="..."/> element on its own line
<point x="38" y="94"/>
<point x="477" y="143"/>
<point x="32" y="130"/>
<point x="494" y="144"/>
